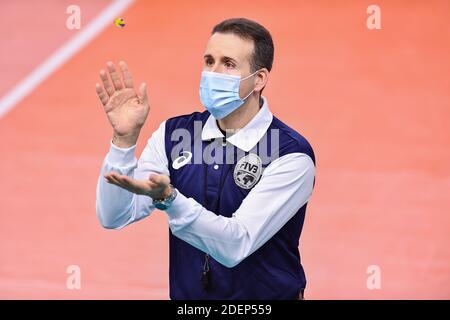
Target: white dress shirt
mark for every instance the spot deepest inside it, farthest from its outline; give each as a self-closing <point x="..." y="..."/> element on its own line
<point x="285" y="186"/>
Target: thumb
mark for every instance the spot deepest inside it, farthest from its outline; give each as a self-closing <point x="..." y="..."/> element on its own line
<point x="143" y="93"/>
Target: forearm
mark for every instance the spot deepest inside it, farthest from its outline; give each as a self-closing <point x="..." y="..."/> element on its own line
<point x="114" y="205"/>
<point x="117" y="207"/>
<point x="230" y="240"/>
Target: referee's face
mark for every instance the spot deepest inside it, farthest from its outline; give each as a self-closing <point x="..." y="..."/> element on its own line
<point x="230" y="54"/>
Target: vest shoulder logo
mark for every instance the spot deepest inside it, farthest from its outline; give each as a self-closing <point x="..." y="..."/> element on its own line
<point x="247" y="171"/>
<point x="182" y="160"/>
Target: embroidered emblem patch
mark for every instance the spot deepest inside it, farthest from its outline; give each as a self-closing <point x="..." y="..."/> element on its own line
<point x="247" y="171"/>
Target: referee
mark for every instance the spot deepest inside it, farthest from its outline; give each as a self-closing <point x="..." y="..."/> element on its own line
<point x="234" y="180"/>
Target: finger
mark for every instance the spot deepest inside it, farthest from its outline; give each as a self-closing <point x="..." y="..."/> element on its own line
<point x="154" y="178"/>
<point x="143" y="94"/>
<point x="114" y="76"/>
<point x="113" y="180"/>
<point x="120" y="183"/>
<point x="111" y="177"/>
<point x="127" y="78"/>
<point x="160" y="179"/>
<point x="101" y="94"/>
<point x="136" y="186"/>
<point x="124" y="180"/>
<point x="109" y="174"/>
<point x="106" y="83"/>
<point x="152" y="185"/>
<point x="130" y="184"/>
<point x="133" y="183"/>
<point x="115" y="177"/>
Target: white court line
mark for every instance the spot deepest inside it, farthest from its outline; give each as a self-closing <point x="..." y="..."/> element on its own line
<point x="69" y="49"/>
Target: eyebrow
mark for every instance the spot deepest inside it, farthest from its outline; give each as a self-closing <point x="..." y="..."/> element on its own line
<point x="224" y="58"/>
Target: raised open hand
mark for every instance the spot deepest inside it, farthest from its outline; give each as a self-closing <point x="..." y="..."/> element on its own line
<point x="126" y="110"/>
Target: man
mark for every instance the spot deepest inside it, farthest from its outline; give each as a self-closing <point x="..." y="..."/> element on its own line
<point x="235" y="189"/>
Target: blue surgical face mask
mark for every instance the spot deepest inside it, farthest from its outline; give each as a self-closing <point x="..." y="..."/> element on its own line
<point x="219" y="93"/>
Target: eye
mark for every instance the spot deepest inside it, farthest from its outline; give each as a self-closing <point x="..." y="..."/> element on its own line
<point x="209" y="62"/>
<point x="229" y="64"/>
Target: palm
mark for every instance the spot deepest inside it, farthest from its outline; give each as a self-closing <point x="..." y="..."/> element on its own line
<point x="126" y="110"/>
<point x="154" y="187"/>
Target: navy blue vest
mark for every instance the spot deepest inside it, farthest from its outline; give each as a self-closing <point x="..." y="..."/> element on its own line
<point x="274" y="271"/>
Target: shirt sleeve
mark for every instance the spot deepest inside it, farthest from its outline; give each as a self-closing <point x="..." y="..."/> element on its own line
<point x="117" y="207"/>
<point x="285" y="186"/>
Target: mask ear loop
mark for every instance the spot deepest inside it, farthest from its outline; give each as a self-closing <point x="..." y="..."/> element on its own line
<point x="246" y="79"/>
<point x="249" y="75"/>
<point x="248" y="94"/>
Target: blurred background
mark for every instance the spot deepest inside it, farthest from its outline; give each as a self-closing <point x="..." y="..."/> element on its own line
<point x="374" y="104"/>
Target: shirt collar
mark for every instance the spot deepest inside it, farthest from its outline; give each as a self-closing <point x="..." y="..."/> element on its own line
<point x="247" y="137"/>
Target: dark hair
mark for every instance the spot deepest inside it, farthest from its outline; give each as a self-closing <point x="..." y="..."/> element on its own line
<point x="251" y="30"/>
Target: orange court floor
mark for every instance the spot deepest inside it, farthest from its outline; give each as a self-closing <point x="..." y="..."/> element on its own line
<point x="374" y="104"/>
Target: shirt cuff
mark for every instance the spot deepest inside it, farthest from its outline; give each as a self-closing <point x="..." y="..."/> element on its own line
<point x="181" y="212"/>
<point x="121" y="157"/>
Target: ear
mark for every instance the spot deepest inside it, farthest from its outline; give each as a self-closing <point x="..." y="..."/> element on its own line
<point x="261" y="79"/>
